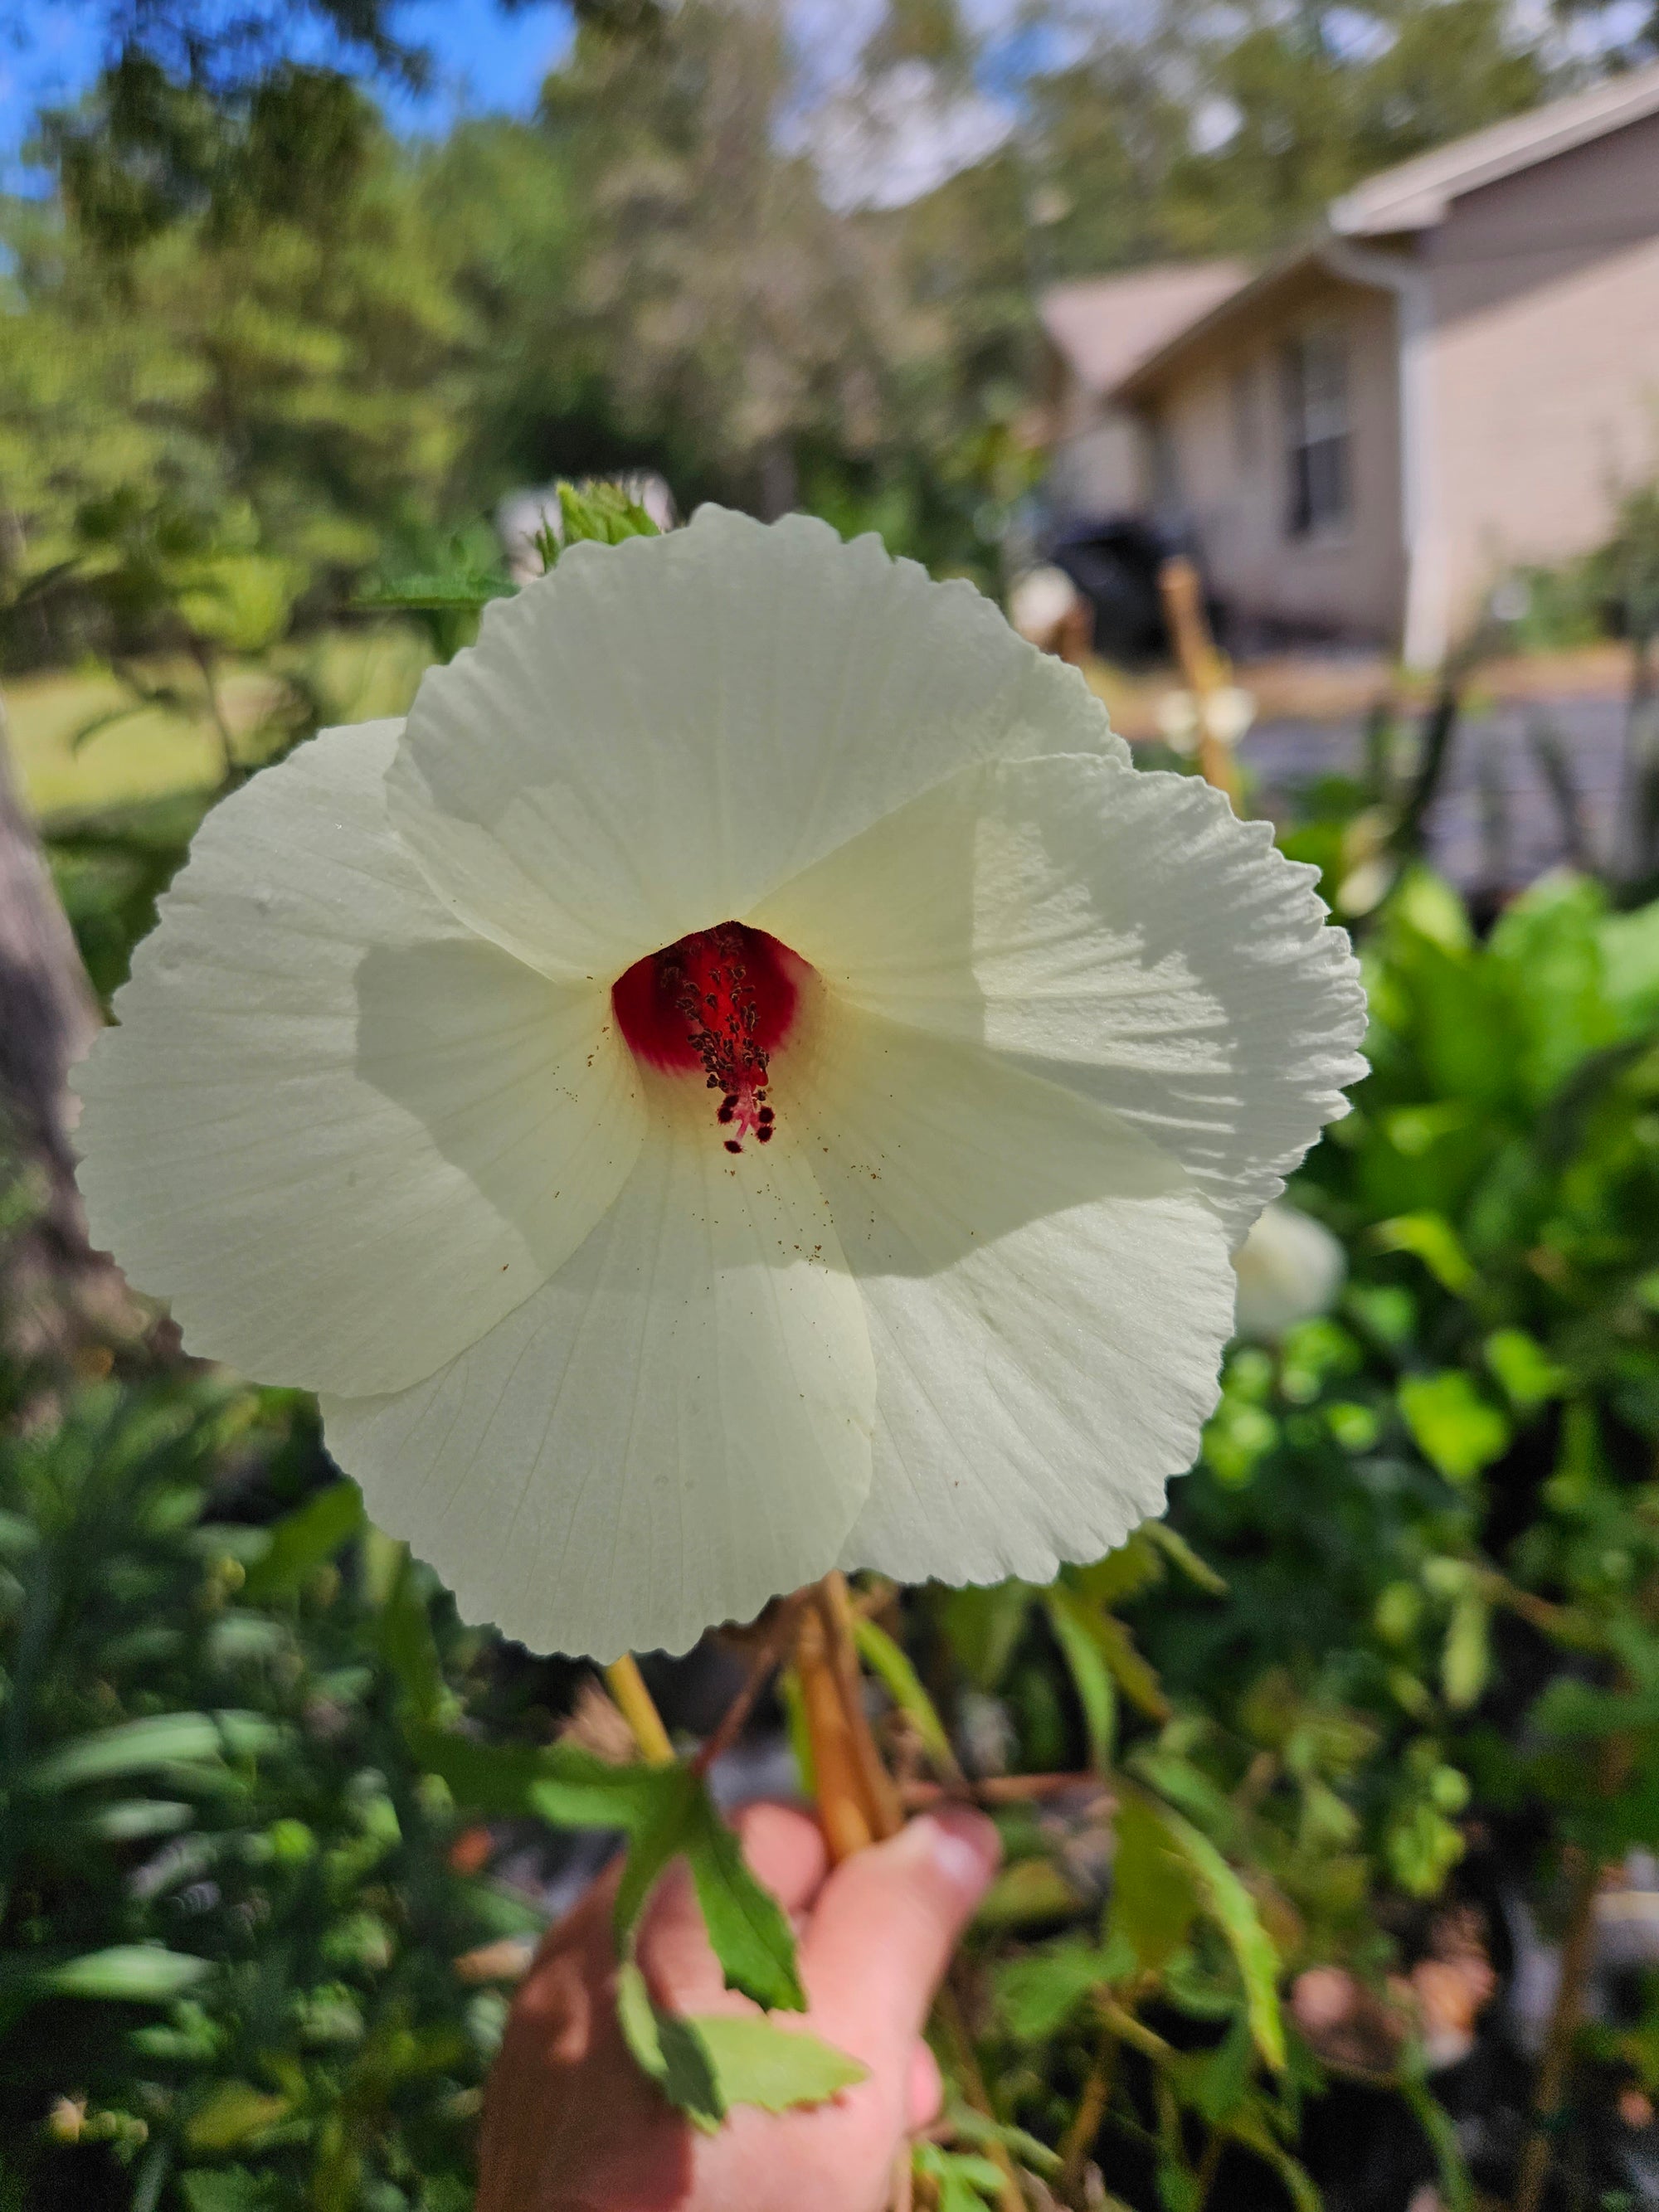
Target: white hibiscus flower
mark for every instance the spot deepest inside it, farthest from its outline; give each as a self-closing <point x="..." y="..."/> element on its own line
<point x="746" y="1078"/>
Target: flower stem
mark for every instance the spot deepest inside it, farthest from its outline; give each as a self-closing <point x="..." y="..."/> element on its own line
<point x="844" y="1810"/>
<point x="626" y="1685"/>
<point x="858" y="1804"/>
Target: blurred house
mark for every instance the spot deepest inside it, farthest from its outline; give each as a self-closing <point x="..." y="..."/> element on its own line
<point x="1098" y="331"/>
<point x="1458" y="376"/>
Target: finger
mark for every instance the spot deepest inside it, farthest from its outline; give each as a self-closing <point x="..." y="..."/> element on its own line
<point x="925" y="2090"/>
<point x="784" y="1851"/>
<point x="886" y="1924"/>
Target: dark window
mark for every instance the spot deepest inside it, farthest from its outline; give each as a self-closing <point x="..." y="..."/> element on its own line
<point x="1316" y="431"/>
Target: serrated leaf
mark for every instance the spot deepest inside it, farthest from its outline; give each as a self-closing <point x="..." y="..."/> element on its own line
<point x="1090" y="1676"/>
<point x="670" y="2051"/>
<point x="748" y="1928"/>
<point x="562" y="1784"/>
<point x="1155" y="1899"/>
<point x="775" y="2067"/>
<point x="1036" y="1995"/>
<point x="423" y="595"/>
<point x="602" y="512"/>
<point x="1132" y="1674"/>
<point x="1225" y="1900"/>
<point x="301" y="1540"/>
<point x="961" y="2182"/>
<point x="661" y="1834"/>
<point x="1132" y="1567"/>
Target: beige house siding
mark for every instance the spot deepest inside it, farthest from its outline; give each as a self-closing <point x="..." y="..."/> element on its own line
<point x="1097" y="330"/>
<point x="1544" y="375"/>
<point x="1217" y="423"/>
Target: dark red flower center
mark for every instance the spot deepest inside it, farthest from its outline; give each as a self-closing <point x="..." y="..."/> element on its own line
<point x="721" y="1000"/>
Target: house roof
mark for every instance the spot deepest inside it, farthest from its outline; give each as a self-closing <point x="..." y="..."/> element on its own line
<point x="1103" y="327"/>
<point x="1413" y="197"/>
<point x="1418" y="193"/>
<point x="1255" y="291"/>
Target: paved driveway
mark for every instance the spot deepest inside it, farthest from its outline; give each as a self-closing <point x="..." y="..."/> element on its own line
<point x="1496" y="824"/>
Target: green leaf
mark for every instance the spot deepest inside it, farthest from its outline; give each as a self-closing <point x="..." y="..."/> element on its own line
<point x="659" y="1836"/>
<point x="1430" y="1238"/>
<point x="982" y="1626"/>
<point x="602" y="512"/>
<point x="1466" y="1661"/>
<point x="225" y="2189"/>
<point x="403" y="1637"/>
<point x="1221" y="2079"/>
<point x="460" y="591"/>
<point x="133" y="1819"/>
<point x="235" y="2113"/>
<point x="161" y="1739"/>
<point x="961" y="2182"/>
<point x="1227" y="1902"/>
<point x="748" y="1928"/>
<point x="1457" y="1431"/>
<point x="670" y="2051"/>
<point x="17" y="1536"/>
<point x="1181" y="1552"/>
<point x="301" y="1540"/>
<point x="127" y="1973"/>
<point x="1529" y="1376"/>
<point x="890" y="1661"/>
<point x="969" y="2126"/>
<point x="1155" y="1899"/>
<point x="1038" y="1994"/>
<point x="1136" y="1680"/>
<point x="1090" y="1675"/>
<point x="562" y="1784"/>
<point x="775" y="2067"/>
<point x="578" y="1790"/>
<point x="1132" y="1567"/>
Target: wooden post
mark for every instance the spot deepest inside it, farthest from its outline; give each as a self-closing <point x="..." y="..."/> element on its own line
<point x="1204" y="668"/>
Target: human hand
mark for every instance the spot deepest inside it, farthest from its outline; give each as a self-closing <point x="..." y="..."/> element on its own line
<point x="572" y="2125"/>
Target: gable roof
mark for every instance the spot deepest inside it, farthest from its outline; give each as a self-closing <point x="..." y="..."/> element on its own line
<point x="1418" y="193"/>
<point x="1103" y="327"/>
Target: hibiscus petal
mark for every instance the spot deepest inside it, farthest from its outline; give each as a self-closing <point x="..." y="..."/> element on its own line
<point x="341" y="1133"/>
<point x="1047" y="1298"/>
<point x="670" y="1432"/>
<point x="645" y="742"/>
<point x="1122" y="934"/>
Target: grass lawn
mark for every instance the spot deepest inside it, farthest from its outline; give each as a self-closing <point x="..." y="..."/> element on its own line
<point x="360" y="673"/>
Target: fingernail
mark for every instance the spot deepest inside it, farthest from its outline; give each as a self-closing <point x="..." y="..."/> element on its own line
<point x="963" y="1846"/>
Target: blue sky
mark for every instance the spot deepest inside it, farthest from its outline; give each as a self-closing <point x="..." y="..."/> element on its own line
<point x="481" y="60"/>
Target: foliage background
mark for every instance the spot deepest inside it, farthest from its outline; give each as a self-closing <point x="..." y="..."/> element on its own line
<point x="1380" y="1704"/>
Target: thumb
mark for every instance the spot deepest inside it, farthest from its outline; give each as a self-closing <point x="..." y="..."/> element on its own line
<point x="886" y="1923"/>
